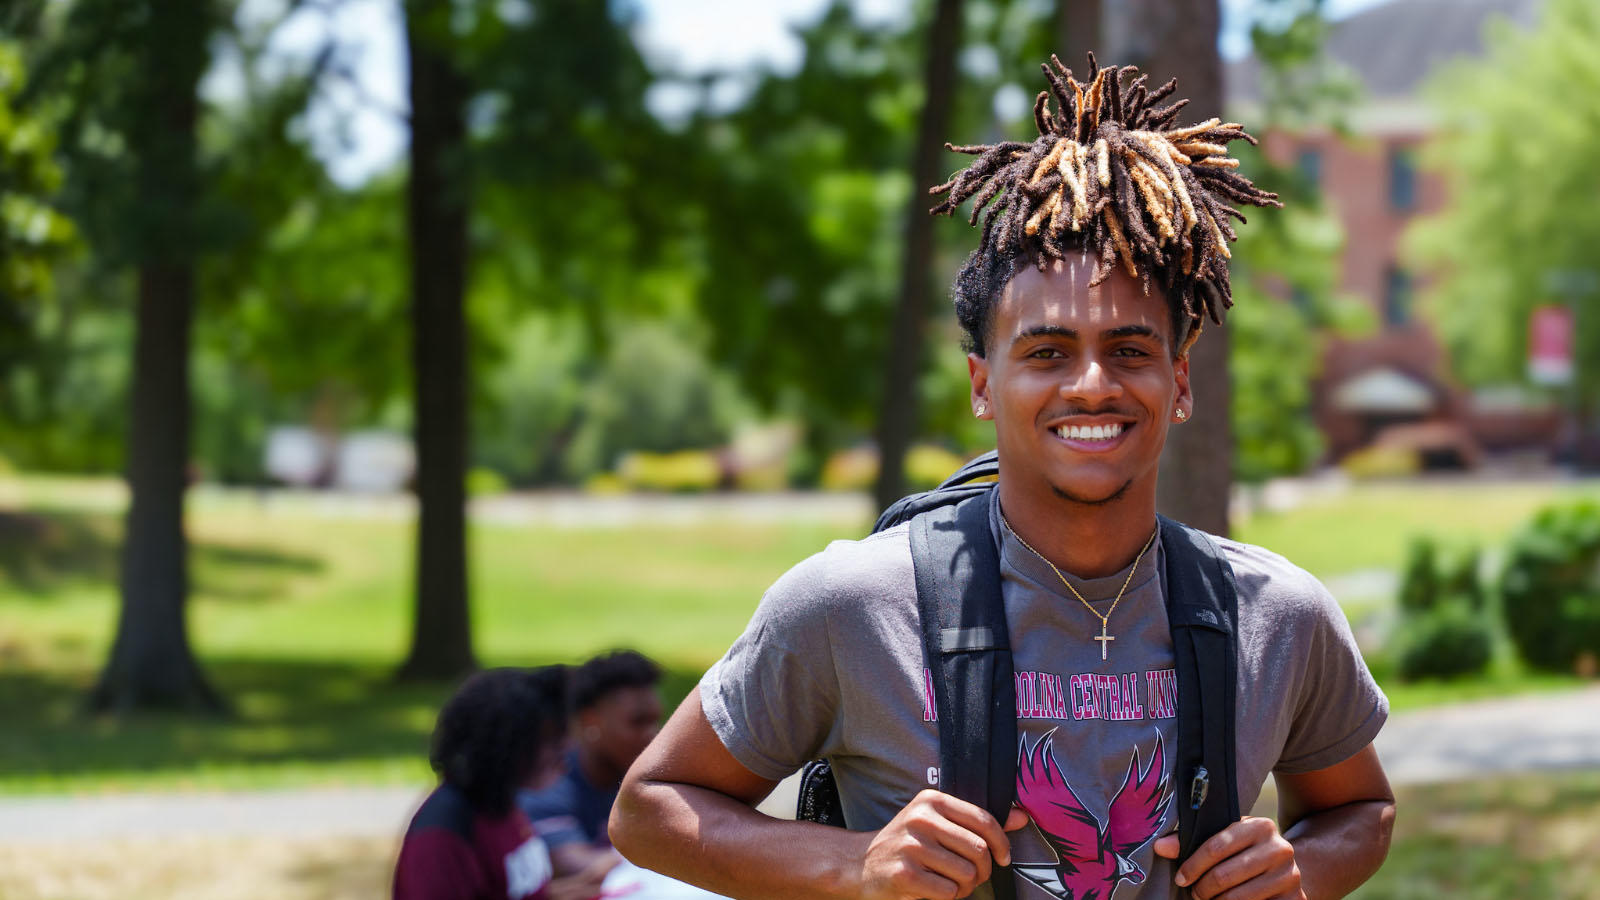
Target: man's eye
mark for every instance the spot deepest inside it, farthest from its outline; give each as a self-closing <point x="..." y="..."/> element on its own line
<point x="1046" y="353"/>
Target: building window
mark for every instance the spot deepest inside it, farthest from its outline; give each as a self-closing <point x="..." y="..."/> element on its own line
<point x="1402" y="179"/>
<point x="1397" y="297"/>
<point x="1309" y="164"/>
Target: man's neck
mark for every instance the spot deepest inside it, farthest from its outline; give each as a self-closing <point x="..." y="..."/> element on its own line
<point x="600" y="774"/>
<point x="1089" y="540"/>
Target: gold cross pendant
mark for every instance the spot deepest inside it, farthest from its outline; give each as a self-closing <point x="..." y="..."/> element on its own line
<point x="1102" y="637"/>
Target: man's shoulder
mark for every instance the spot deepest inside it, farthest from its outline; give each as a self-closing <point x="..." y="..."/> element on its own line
<point x="847" y="570"/>
<point x="558" y="797"/>
<point x="446" y="810"/>
<point x="1271" y="582"/>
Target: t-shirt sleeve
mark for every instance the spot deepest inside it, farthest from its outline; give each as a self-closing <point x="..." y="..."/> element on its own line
<point x="553" y="812"/>
<point x="772" y="699"/>
<point x="436" y="864"/>
<point x="1339" y="708"/>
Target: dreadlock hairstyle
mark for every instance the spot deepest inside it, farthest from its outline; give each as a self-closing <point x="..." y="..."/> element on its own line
<point x="1108" y="173"/>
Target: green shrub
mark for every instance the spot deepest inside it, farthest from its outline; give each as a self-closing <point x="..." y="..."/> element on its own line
<point x="1381" y="462"/>
<point x="928" y="466"/>
<point x="1419" y="583"/>
<point x="850" y="470"/>
<point x="1433" y="577"/>
<point x="1551" y="587"/>
<point x="483" y="481"/>
<point x="1447" y="642"/>
<point x="1458" y="579"/>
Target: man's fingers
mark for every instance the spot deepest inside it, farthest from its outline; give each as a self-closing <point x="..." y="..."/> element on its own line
<point x="1229" y="842"/>
<point x="1253" y="866"/>
<point x="1222" y="845"/>
<point x="1016" y="818"/>
<point x="967" y="863"/>
<point x="1167" y="847"/>
<point x="973" y="818"/>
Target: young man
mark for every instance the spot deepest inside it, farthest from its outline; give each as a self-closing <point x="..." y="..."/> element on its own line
<point x="1105" y="245"/>
<point x="615" y="714"/>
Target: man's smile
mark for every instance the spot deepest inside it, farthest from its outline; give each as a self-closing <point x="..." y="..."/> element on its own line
<point x="1096" y="434"/>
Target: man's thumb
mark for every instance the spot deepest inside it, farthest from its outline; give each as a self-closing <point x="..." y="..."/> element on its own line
<point x="1167" y="847"/>
<point x="1015" y="819"/>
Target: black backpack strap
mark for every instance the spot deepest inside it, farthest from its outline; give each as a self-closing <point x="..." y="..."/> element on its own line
<point x="1202" y="608"/>
<point x="968" y="652"/>
<point x="956" y="488"/>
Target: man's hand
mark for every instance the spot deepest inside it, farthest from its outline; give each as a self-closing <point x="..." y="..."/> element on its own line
<point x="585" y="884"/>
<point x="937" y="848"/>
<point x="1249" y="859"/>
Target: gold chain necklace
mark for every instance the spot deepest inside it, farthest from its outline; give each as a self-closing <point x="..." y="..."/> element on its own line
<point x="1105" y="621"/>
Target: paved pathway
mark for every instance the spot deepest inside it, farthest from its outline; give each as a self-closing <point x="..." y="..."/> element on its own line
<point x="1494" y="737"/>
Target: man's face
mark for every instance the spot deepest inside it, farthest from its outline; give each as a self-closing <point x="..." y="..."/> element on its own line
<point x="1080" y="381"/>
<point x="621" y="724"/>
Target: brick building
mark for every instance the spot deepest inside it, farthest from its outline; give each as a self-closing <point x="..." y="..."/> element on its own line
<point x="1393" y="387"/>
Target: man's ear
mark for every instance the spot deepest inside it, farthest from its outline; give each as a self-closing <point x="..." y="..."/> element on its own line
<point x="978" y="372"/>
<point x="586" y="722"/>
<point x="1184" y="401"/>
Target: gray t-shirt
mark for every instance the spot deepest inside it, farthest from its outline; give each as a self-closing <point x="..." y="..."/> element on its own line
<point x="831" y="665"/>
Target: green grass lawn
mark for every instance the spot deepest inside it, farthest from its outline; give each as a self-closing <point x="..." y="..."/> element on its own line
<point x="299" y="617"/>
<point x="1535" y="836"/>
<point x="1507" y="839"/>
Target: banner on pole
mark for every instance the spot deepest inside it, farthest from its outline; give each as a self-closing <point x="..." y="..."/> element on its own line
<point x="1550" y="339"/>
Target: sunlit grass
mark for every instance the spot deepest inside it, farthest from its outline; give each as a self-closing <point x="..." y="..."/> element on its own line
<point x="1530" y="836"/>
<point x="1371" y="525"/>
<point x="300" y="615"/>
<point x="1534" y="836"/>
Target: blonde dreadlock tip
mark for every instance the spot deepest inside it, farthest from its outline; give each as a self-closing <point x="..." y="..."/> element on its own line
<point x="1218" y="162"/>
<point x="1202" y="148"/>
<point x="1192" y="130"/>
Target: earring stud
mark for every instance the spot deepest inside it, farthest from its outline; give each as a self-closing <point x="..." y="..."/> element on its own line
<point x="981" y="409"/>
<point x="1182" y="415"/>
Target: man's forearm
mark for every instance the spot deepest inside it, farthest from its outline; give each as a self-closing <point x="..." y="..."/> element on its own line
<point x="1338" y="849"/>
<point x="716" y="842"/>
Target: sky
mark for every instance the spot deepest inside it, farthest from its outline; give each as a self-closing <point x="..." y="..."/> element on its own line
<point x="356" y="123"/>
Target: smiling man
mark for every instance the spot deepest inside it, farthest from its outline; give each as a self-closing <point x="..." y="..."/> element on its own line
<point x="1104" y="248"/>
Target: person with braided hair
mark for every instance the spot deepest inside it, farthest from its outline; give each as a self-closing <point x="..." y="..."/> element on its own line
<point x="1103" y="252"/>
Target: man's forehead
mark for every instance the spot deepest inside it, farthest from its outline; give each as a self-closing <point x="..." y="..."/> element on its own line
<point x="1061" y="299"/>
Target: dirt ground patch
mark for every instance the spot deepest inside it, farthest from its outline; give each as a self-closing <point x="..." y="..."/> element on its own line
<point x="199" y="868"/>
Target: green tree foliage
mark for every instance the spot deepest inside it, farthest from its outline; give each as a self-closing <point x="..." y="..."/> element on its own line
<point x="799" y="193"/>
<point x="1285" y="262"/>
<point x="1519" y="131"/>
<point x="34" y="235"/>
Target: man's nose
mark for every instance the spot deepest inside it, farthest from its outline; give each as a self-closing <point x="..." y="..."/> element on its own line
<point x="1090" y="383"/>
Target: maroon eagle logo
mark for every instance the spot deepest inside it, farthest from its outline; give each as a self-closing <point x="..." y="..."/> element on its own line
<point x="1092" y="857"/>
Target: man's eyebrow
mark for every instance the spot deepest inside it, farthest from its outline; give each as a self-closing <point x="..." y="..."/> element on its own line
<point x="1130" y="331"/>
<point x="1038" y="331"/>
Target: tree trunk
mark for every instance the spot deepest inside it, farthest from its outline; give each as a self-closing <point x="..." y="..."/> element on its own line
<point x="151" y="665"/>
<point x="897" y="419"/>
<point x="1178" y="38"/>
<point x="1078" y="30"/>
<point x="441" y="640"/>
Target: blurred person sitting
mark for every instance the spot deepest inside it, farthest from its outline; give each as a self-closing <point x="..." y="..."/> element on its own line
<point x="504" y="729"/>
<point x="615" y="712"/>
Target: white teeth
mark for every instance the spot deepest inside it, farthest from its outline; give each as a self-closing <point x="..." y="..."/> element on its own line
<point x="1091" y="433"/>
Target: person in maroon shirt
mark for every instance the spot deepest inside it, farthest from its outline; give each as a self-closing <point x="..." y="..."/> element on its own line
<point x="503" y="730"/>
